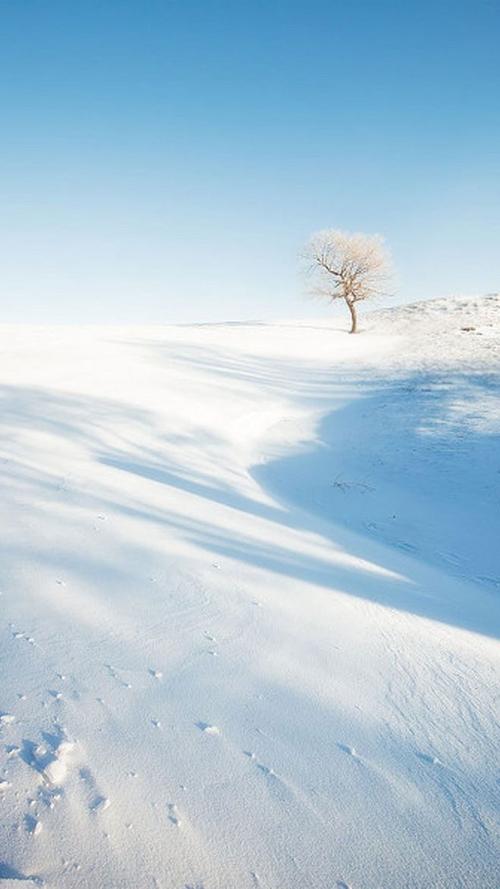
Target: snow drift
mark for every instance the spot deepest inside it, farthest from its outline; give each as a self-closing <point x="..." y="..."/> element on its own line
<point x="250" y="580"/>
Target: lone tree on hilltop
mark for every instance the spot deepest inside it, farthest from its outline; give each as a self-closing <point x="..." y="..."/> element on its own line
<point x="347" y="266"/>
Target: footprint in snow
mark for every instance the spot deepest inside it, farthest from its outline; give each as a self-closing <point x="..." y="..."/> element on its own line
<point x="10" y="873"/>
<point x="429" y="759"/>
<point x="173" y="814"/>
<point x="49" y="796"/>
<point x="341" y="885"/>
<point x="156" y="674"/>
<point x="33" y="825"/>
<point x="349" y="750"/>
<point x="17" y="634"/>
<point x="99" y="804"/>
<point x="207" y="728"/>
<point x="208" y="636"/>
<point x="277" y="787"/>
<point x="114" y="674"/>
<point x="55" y="769"/>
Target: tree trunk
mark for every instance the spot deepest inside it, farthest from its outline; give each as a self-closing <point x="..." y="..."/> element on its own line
<point x="354" y="317"/>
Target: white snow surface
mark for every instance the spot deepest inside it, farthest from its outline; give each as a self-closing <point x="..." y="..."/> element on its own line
<point x="250" y="589"/>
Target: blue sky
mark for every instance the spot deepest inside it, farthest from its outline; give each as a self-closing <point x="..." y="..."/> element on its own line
<point x="166" y="160"/>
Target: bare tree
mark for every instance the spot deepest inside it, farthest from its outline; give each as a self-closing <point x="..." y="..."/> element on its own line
<point x="352" y="267"/>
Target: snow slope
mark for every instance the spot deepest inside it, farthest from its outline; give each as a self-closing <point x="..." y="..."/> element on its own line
<point x="250" y="585"/>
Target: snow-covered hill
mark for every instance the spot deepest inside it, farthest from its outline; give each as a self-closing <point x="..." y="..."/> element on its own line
<point x="250" y="585"/>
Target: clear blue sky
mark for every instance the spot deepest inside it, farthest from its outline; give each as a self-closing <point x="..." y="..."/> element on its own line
<point x="166" y="160"/>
